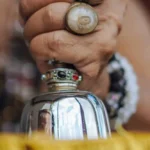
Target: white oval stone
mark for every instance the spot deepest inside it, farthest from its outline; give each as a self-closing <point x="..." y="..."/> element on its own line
<point x="81" y="18"/>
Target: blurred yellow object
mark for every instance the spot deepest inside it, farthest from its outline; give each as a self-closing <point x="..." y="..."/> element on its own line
<point x="119" y="141"/>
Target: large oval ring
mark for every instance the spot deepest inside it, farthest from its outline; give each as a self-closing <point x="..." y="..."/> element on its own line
<point x="81" y="18"/>
<point x="51" y="61"/>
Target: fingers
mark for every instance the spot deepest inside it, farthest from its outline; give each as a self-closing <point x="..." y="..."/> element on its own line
<point x="28" y="7"/>
<point x="59" y="45"/>
<point x="47" y="43"/>
<point x="65" y="47"/>
<point x="47" y="19"/>
<point x="93" y="49"/>
<point x="51" y="18"/>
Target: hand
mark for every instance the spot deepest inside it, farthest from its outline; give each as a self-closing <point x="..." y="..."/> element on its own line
<point x="45" y="30"/>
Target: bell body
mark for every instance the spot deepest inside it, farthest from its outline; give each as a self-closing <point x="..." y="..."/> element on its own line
<point x="66" y="116"/>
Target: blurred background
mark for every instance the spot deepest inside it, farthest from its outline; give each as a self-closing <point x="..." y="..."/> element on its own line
<point x="19" y="77"/>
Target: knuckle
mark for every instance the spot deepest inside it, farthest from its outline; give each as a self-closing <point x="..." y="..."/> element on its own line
<point x="92" y="74"/>
<point x="117" y="25"/>
<point x="106" y="55"/>
<point x="33" y="45"/>
<point x="108" y="47"/>
<point x="56" y="41"/>
<point x="108" y="40"/>
<point x="91" y="70"/>
<point x="53" y="44"/>
<point x="114" y="23"/>
<point x="46" y="45"/>
<point x="48" y="17"/>
<point x="105" y="52"/>
<point x="37" y="45"/>
<point x="39" y="48"/>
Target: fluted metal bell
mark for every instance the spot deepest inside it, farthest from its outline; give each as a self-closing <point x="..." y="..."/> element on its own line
<point x="64" y="112"/>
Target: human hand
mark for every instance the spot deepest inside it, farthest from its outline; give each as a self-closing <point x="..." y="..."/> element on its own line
<point x="45" y="30"/>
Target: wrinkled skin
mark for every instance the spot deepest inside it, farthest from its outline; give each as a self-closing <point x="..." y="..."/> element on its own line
<point x="44" y="28"/>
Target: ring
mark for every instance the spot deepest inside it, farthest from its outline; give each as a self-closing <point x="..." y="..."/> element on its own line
<point x="81" y="18"/>
<point x="51" y="61"/>
<point x="91" y="2"/>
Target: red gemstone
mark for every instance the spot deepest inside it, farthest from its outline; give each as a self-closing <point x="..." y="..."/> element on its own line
<point x="75" y="77"/>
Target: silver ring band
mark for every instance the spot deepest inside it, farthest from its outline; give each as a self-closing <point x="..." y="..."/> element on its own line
<point x="51" y="61"/>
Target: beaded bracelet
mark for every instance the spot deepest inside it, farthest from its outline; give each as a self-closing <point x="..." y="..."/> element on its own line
<point x="123" y="96"/>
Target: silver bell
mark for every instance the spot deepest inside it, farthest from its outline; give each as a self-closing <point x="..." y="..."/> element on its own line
<point x="66" y="113"/>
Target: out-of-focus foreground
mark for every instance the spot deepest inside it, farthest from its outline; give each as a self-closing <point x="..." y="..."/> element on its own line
<point x="123" y="141"/>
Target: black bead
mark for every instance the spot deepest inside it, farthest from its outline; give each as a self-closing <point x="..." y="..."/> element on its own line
<point x="84" y="1"/>
<point x="116" y="76"/>
<point x="116" y="88"/>
<point x="61" y="74"/>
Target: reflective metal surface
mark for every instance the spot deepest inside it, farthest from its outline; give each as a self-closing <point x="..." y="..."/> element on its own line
<point x="78" y="115"/>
